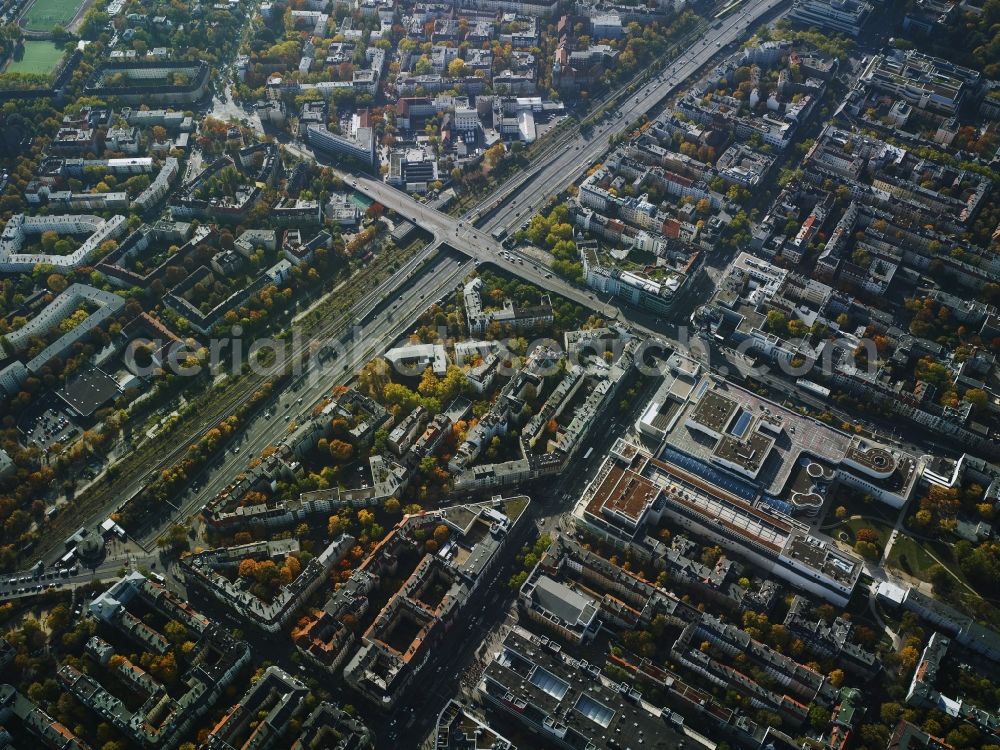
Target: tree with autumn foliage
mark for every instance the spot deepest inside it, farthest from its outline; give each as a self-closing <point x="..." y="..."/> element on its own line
<point x="248" y="568"/>
<point x="867" y="535"/>
<point x="341" y="451"/>
<point x="336" y="526"/>
<point x="175" y="632"/>
<point x="290" y="569"/>
<point x="166" y="668"/>
<point x="908" y="657"/>
<point x="373" y="378"/>
<point x="495" y="154"/>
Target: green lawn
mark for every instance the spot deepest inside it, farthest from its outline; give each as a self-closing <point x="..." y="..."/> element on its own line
<point x="860" y="515"/>
<point x="44" y="14"/>
<point x="916" y="556"/>
<point x="515" y="507"/>
<point x="910" y="556"/>
<point x="873" y="516"/>
<point x="853" y="525"/>
<point x="39" y="57"/>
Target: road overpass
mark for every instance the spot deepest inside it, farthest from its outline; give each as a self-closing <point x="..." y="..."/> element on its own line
<point x="555" y="172"/>
<point x="386" y="314"/>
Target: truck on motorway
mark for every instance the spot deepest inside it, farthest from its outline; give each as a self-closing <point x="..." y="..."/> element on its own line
<point x="498" y="234"/>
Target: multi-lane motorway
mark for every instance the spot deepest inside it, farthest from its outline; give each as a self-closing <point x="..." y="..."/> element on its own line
<point x="555" y="172"/>
<point x="387" y="312"/>
<point x="387" y="320"/>
<point x="382" y="322"/>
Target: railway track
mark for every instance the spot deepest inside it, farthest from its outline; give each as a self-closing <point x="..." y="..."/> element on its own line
<point x="126" y="487"/>
<point x="356" y="358"/>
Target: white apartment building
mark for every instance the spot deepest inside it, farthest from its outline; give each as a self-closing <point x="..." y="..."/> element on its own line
<point x="20" y="227"/>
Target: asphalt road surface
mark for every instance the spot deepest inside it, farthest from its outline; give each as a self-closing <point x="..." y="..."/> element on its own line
<point x="378" y="330"/>
<point x="474" y="242"/>
<point x="584" y="150"/>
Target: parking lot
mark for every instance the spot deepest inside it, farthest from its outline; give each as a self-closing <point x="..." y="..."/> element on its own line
<point x="35" y="582"/>
<point x="48" y="427"/>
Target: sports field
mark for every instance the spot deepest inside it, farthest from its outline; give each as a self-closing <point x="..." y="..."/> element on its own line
<point x="39" y="57"/>
<point x="44" y="14"/>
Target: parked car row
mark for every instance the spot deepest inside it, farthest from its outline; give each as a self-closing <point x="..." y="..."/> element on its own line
<point x="36" y="581"/>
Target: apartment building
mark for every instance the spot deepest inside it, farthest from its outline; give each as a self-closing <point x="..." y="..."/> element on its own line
<point x="150" y="81"/>
<point x="20" y="227"/>
<point x="104" y="306"/>
<point x="923" y="691"/>
<point x="263" y="715"/>
<point x="397" y="643"/>
<point x="923" y="81"/>
<point x="830" y="640"/>
<point x="518" y="318"/>
<point x="331" y="726"/>
<point x="731" y="650"/>
<point x="459" y="728"/>
<point x="639" y="290"/>
<point x="213" y="571"/>
<point x="412" y="169"/>
<point x="192" y="202"/>
<point x="162" y="717"/>
<point x="964" y="630"/>
<point x="572" y="592"/>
